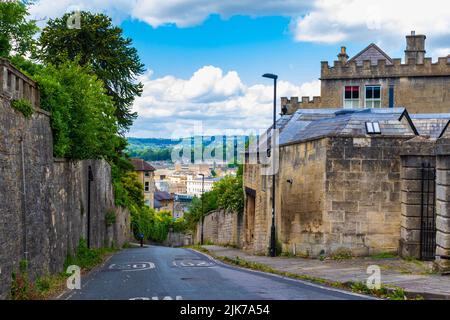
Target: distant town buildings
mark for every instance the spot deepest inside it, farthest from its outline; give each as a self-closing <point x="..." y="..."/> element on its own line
<point x="181" y="205"/>
<point x="145" y="173"/>
<point x="172" y="187"/>
<point x="196" y="185"/>
<point x="164" y="201"/>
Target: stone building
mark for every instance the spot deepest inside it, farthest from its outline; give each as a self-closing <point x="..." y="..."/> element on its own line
<point x="196" y="185"/>
<point x="372" y="79"/>
<point x="340" y="183"/>
<point x="146" y="175"/>
<point x="181" y="205"/>
<point x="164" y="202"/>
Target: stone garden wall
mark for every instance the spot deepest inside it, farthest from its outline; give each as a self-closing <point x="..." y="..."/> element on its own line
<point x="43" y="201"/>
<point x="222" y="228"/>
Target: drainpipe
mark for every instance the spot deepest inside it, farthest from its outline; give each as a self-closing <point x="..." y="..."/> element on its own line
<point x="90" y="179"/>
<point x="24" y="199"/>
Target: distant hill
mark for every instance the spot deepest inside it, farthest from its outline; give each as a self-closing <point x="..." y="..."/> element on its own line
<point x="159" y="149"/>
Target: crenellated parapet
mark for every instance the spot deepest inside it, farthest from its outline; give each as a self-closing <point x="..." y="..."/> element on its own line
<point x="16" y="85"/>
<point x="351" y="70"/>
<point x="289" y="106"/>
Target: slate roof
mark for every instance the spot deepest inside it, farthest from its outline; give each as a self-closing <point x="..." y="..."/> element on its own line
<point x="157" y="204"/>
<point x="163" y="196"/>
<point x="372" y="53"/>
<point x="314" y="124"/>
<point x="141" y="165"/>
<point x="432" y="125"/>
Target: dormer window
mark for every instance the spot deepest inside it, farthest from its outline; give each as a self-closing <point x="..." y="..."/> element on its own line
<point x="351" y="97"/>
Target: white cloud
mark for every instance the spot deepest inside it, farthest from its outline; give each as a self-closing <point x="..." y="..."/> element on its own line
<point x="320" y="21"/>
<point x="334" y="21"/>
<point x="219" y="100"/>
<point x="182" y="13"/>
<point x="441" y="52"/>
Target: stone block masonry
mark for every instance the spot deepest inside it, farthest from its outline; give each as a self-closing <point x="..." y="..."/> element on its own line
<point x="332" y="193"/>
<point x="443" y="204"/>
<point x="222" y="228"/>
<point x="415" y="153"/>
<point x="43" y="201"/>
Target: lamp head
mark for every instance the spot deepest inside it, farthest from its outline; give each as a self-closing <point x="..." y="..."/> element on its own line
<point x="270" y="76"/>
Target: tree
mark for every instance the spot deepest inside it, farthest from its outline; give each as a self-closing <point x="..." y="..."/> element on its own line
<point x="102" y="46"/>
<point x="82" y="114"/>
<point x="16" y="33"/>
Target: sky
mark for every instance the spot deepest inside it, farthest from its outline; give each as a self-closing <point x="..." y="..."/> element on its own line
<point x="204" y="59"/>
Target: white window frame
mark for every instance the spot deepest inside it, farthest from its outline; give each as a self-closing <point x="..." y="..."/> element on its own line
<point x="372" y="100"/>
<point x="353" y="101"/>
<point x="146" y="186"/>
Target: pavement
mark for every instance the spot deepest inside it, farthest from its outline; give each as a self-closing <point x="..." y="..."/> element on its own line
<point x="157" y="273"/>
<point x="415" y="277"/>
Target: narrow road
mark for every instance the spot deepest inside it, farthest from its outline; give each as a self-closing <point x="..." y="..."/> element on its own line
<point x="159" y="272"/>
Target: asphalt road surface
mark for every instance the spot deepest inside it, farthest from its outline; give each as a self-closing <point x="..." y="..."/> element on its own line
<point x="167" y="273"/>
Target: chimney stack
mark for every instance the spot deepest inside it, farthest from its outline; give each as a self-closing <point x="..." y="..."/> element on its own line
<point x="415" y="48"/>
<point x="343" y="56"/>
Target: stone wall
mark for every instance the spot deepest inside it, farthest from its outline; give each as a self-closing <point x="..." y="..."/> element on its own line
<point x="414" y="154"/>
<point x="300" y="195"/>
<point x="222" y="228"/>
<point x="420" y="88"/>
<point x="443" y="204"/>
<point x="43" y="201"/>
<point x="176" y="239"/>
<point x="256" y="222"/>
<point x="363" y="194"/>
<point x="340" y="193"/>
<point x="293" y="104"/>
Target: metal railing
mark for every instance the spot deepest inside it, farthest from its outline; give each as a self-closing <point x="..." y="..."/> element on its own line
<point x="428" y="213"/>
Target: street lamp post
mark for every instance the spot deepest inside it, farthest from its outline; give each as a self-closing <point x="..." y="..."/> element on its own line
<point x="203" y="214"/>
<point x="272" y="229"/>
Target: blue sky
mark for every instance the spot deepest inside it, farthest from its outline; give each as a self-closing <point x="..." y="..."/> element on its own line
<point x="205" y="58"/>
<point x="250" y="45"/>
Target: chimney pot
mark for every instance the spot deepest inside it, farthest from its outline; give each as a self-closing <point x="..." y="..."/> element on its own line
<point x="343" y="56"/>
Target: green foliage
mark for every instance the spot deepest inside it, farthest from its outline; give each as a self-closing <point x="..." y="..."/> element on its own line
<point x="87" y="258"/>
<point x="153" y="225"/>
<point x="16" y="31"/>
<point x="110" y="217"/>
<point x="230" y="193"/>
<point x="101" y="46"/>
<point x="195" y="213"/>
<point x="21" y="287"/>
<point x="384" y="255"/>
<point x="83" y="115"/>
<point x="23" y="106"/>
<point x="151" y="154"/>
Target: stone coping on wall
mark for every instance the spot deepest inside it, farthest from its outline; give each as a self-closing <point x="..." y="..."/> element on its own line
<point x="419" y="146"/>
<point x="443" y="146"/>
<point x="343" y="136"/>
<point x="381" y="70"/>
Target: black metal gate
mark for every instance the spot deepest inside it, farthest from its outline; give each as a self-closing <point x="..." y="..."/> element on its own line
<point x="428" y="213"/>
